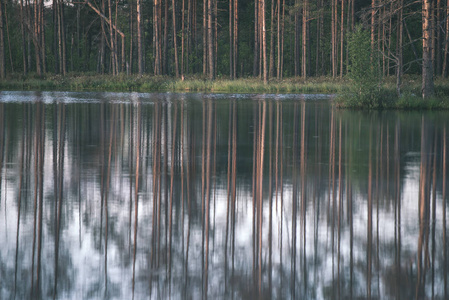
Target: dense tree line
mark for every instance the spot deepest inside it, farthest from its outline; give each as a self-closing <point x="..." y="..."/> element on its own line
<point x="265" y="38"/>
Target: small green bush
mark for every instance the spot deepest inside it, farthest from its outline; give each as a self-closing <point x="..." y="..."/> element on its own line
<point x="364" y="72"/>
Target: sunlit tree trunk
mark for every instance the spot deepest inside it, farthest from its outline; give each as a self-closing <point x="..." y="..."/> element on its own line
<point x="140" y="67"/>
<point x="427" y="65"/>
<point x="182" y="39"/>
<point x="272" y="34"/>
<point x="342" y="37"/>
<point x="264" y="42"/>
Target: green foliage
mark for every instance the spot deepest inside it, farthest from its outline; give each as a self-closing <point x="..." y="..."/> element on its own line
<point x="364" y="72"/>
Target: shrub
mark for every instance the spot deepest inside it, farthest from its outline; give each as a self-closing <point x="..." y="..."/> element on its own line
<point x="364" y="71"/>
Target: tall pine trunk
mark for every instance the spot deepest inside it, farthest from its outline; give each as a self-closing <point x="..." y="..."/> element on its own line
<point x="427" y="66"/>
<point x="2" y="43"/>
<point x="175" y="45"/>
<point x="264" y="42"/>
<point x="305" y="38"/>
<point x="446" y="43"/>
<point x="210" y="39"/>
<point x="140" y="66"/>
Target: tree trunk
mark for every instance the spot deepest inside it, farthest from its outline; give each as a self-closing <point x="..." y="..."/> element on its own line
<point x="273" y="16"/>
<point x="264" y="43"/>
<point x="256" y="39"/>
<point x="427" y="66"/>
<point x="131" y="38"/>
<point x="42" y="36"/>
<point x="334" y="38"/>
<point x="182" y="38"/>
<point x="63" y="42"/>
<point x="210" y="39"/>
<point x="342" y="37"/>
<point x="438" y="39"/>
<point x="278" y="35"/>
<point x="175" y="45"/>
<point x="399" y="49"/>
<point x="205" y="33"/>
<point x="157" y="38"/>
<point x="2" y="43"/>
<point x="140" y="66"/>
<point x="36" y="38"/>
<point x="22" y="28"/>
<point x="373" y="23"/>
<point x="235" y="42"/>
<point x="305" y="37"/>
<point x="101" y="68"/>
<point x="446" y="43"/>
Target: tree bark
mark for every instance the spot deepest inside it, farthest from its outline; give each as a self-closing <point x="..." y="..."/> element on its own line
<point x="22" y="28"/>
<point x="205" y="35"/>
<point x="446" y="43"/>
<point x="305" y="38"/>
<point x="342" y="37"/>
<point x="175" y="45"/>
<point x="273" y="16"/>
<point x="264" y="43"/>
<point x="210" y="39"/>
<point x="140" y="66"/>
<point x="399" y="48"/>
<point x="2" y="44"/>
<point x="427" y="66"/>
<point x="256" y="39"/>
<point x="334" y="38"/>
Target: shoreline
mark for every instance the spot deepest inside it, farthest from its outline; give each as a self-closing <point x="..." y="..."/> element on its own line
<point x="291" y="85"/>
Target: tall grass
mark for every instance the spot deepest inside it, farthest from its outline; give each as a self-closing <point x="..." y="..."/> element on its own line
<point x="147" y="83"/>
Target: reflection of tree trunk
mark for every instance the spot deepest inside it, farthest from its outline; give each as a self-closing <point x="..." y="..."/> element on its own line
<point x="136" y="190"/>
<point x="397" y="181"/>
<point x="370" y="222"/>
<point x="106" y="194"/>
<point x="434" y="202"/>
<point x="304" y="195"/>
<point x="444" y="215"/>
<point x="59" y="189"/>
<point x="19" y="196"/>
<point x="41" y="191"/>
<point x="172" y="168"/>
<point x="340" y="202"/>
<point x="294" y="202"/>
<point x="424" y="211"/>
<point x="207" y="194"/>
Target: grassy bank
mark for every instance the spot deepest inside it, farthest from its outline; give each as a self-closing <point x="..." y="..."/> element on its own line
<point x="385" y="97"/>
<point x="147" y="83"/>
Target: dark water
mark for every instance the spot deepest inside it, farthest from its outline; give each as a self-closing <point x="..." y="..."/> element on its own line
<point x="219" y="196"/>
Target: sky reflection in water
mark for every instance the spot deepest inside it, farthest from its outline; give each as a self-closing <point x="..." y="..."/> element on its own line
<point x="115" y="195"/>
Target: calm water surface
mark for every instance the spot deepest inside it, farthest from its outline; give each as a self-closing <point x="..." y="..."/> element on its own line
<point x="192" y="196"/>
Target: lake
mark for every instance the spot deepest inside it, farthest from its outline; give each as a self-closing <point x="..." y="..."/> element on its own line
<point x="219" y="196"/>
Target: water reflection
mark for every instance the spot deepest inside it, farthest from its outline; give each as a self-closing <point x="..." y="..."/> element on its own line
<point x="194" y="196"/>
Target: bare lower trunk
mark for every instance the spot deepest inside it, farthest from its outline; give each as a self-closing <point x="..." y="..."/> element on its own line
<point x="175" y="45"/>
<point x="427" y="66"/>
<point x="139" y="38"/>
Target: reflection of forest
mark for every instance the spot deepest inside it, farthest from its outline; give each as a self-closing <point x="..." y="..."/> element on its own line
<point x="219" y="196"/>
